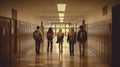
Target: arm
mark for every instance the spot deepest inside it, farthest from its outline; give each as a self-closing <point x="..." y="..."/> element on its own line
<point x="78" y="35"/>
<point x="62" y="35"/>
<point x="47" y="35"/>
<point x="57" y="35"/>
<point x="75" y="37"/>
<point x="68" y="37"/>
<point x="86" y="35"/>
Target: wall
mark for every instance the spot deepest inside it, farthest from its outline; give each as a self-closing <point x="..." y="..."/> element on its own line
<point x="99" y="30"/>
<point x="100" y="39"/>
<point x="5" y="41"/>
<point x="25" y="37"/>
<point x="16" y="39"/>
<point x="96" y="14"/>
<point x="5" y="10"/>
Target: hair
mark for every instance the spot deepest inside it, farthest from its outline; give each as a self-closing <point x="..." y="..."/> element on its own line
<point x="60" y="32"/>
<point x="38" y="27"/>
<point x="50" y="30"/>
<point x="81" y="27"/>
<point x="71" y="33"/>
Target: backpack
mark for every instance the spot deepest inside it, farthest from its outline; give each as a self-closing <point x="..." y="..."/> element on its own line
<point x="37" y="35"/>
<point x="83" y="36"/>
<point x="49" y="36"/>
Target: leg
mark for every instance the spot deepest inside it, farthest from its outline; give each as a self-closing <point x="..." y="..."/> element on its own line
<point x="62" y="47"/>
<point x="39" y="47"/>
<point x="59" y="47"/>
<point x="72" y="49"/>
<point x="48" y="47"/>
<point x="51" y="46"/>
<point x="36" y="46"/>
<point x="80" y="48"/>
<point x="83" y="49"/>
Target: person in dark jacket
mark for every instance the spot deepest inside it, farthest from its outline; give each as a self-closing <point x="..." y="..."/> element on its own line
<point x="50" y="39"/>
<point x="82" y="38"/>
<point x="71" y="39"/>
<point x="37" y="35"/>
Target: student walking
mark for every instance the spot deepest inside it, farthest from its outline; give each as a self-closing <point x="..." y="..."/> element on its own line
<point x="71" y="39"/>
<point x="50" y="35"/>
<point x="38" y="39"/>
<point x="82" y="38"/>
<point x="60" y="36"/>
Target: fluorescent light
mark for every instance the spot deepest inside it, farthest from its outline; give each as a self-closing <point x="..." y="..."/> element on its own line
<point x="61" y="7"/>
<point x="61" y="14"/>
<point x="61" y="18"/>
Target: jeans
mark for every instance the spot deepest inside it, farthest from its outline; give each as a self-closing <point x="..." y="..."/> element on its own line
<point x="48" y="46"/>
<point x="37" y="46"/>
<point x="71" y="48"/>
<point x="60" y="46"/>
<point x="82" y="52"/>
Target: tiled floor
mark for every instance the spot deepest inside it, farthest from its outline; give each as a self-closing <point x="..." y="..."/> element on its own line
<point x="56" y="59"/>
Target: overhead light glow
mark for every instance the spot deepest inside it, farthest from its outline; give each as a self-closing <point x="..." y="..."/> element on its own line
<point x="61" y="18"/>
<point x="61" y="14"/>
<point x="61" y="7"/>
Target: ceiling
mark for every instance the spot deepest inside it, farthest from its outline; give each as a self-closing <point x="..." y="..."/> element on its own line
<point x="46" y="10"/>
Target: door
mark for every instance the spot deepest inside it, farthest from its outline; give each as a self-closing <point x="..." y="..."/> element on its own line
<point x="116" y="35"/>
<point x="1" y="44"/>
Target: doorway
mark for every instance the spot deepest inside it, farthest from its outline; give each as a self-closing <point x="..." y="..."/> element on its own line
<point x="116" y="35"/>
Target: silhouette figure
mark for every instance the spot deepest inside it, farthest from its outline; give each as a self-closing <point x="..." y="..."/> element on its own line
<point x="50" y="39"/>
<point x="71" y="39"/>
<point x="38" y="38"/>
<point x="60" y="37"/>
<point x="82" y="38"/>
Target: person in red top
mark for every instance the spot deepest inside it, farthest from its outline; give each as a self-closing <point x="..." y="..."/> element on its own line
<point x="50" y="35"/>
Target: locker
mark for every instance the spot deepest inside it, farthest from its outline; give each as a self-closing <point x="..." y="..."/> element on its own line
<point x="4" y="41"/>
<point x="100" y="39"/>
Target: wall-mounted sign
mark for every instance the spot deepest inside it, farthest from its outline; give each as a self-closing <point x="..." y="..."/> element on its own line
<point x="14" y="13"/>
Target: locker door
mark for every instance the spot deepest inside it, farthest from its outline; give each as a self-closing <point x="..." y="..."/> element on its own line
<point x="4" y="45"/>
<point x="13" y="38"/>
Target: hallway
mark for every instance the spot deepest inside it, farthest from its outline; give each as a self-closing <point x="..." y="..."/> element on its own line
<point x="55" y="59"/>
<point x="19" y="18"/>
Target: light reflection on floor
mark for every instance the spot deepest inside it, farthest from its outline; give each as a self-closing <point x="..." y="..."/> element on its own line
<point x="56" y="59"/>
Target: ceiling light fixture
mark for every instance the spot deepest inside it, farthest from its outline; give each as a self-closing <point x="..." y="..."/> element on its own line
<point x="61" y="17"/>
<point x="61" y="7"/>
<point x="61" y="14"/>
<point x="61" y="20"/>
